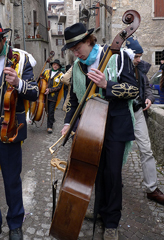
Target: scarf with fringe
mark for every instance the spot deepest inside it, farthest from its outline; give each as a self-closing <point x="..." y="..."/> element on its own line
<point x="111" y="73"/>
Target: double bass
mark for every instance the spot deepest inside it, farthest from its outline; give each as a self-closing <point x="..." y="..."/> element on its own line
<point x="86" y="149"/>
<point x="37" y="107"/>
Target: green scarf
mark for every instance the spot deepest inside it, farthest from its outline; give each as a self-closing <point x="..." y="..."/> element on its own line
<point x="79" y="88"/>
<point x="79" y="81"/>
<point x="3" y="53"/>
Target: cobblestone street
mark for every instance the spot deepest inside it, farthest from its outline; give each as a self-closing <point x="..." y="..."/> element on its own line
<point x="141" y="218"/>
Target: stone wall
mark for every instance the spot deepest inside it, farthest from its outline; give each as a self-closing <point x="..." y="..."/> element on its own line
<point x="149" y="31"/>
<point x="71" y="8"/>
<point x="22" y="24"/>
<point x="156" y="131"/>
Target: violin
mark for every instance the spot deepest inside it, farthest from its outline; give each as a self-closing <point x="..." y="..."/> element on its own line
<point x="10" y="128"/>
<point x="36" y="108"/>
<point x="81" y="170"/>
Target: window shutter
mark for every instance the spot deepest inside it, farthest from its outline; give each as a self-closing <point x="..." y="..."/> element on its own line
<point x="158" y="8"/>
<point x="98" y="15"/>
<point x="49" y="24"/>
<point x="56" y="42"/>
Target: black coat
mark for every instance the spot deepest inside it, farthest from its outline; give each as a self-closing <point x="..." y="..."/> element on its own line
<point x="119" y="125"/>
<point x="144" y="67"/>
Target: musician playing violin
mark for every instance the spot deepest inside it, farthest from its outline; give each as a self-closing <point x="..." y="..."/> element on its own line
<point x="54" y="90"/>
<point x="118" y="90"/>
<point x="22" y="79"/>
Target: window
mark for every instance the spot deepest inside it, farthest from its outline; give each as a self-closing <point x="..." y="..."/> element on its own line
<point x="60" y="28"/>
<point x="158" y="56"/>
<point x="158" y="8"/>
<point x="34" y="20"/>
<point x="60" y="42"/>
<point x="49" y="24"/>
<point x="17" y="45"/>
<point x="45" y="54"/>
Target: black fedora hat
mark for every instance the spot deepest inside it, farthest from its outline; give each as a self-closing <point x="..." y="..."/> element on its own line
<point x="3" y="31"/>
<point x="56" y="61"/>
<point x="75" y="34"/>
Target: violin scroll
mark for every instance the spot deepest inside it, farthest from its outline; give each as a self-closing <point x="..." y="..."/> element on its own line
<point x="16" y="58"/>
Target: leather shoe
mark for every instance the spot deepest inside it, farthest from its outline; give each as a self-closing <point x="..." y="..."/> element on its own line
<point x="49" y="130"/>
<point x="156" y="196"/>
<point x="111" y="234"/>
<point x="16" y="234"/>
<point x="90" y="215"/>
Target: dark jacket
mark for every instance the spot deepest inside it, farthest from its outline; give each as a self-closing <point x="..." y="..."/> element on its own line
<point x="144" y="67"/>
<point x="119" y="125"/>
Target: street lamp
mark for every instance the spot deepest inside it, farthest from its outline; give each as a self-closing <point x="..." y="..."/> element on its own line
<point x="95" y="7"/>
<point x="93" y="10"/>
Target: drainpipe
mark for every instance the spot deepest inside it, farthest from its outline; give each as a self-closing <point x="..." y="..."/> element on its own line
<point x="103" y="24"/>
<point x="24" y="43"/>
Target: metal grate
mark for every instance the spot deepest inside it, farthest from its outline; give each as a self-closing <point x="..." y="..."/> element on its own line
<point x="158" y="56"/>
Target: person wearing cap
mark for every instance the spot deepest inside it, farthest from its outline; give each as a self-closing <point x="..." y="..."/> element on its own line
<point x="140" y="106"/>
<point x="22" y="79"/>
<point x="119" y="126"/>
<point x="54" y="90"/>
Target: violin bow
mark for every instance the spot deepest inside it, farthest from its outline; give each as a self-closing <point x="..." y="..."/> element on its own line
<point x="130" y="17"/>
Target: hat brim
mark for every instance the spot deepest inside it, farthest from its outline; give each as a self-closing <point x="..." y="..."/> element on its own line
<point x="72" y="44"/>
<point x="56" y="63"/>
<point x="6" y="30"/>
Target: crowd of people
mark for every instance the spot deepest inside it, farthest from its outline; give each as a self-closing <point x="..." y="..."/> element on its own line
<point x="123" y="84"/>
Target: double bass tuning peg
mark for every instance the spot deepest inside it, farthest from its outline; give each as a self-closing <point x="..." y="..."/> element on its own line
<point x="123" y="34"/>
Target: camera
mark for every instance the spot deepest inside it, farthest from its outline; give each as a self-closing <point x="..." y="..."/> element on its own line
<point x="137" y="103"/>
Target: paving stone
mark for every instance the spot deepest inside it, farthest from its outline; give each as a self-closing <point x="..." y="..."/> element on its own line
<point x="141" y="218"/>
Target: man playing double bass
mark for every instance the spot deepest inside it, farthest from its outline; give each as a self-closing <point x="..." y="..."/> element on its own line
<point x="119" y="126"/>
<point x="22" y="79"/>
<point x="54" y="90"/>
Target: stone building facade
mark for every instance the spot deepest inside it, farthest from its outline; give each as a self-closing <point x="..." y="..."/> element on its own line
<point x="97" y="15"/>
<point x="150" y="29"/>
<point x="148" y="33"/>
<point x="61" y="15"/>
<point x="56" y="33"/>
<point x="28" y="20"/>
